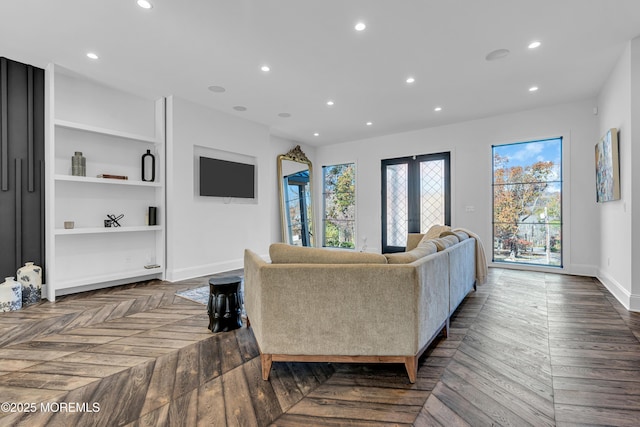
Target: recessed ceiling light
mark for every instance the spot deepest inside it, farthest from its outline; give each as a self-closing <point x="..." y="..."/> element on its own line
<point x="437" y="109"/>
<point x="360" y="26"/>
<point x="410" y="80"/>
<point x="316" y="134"/>
<point x="534" y="45"/>
<point x="144" y="4"/>
<point x="265" y="68"/>
<point x="240" y="108"/>
<point x="533" y="88"/>
<point x="217" y="89"/>
<point x="369" y="123"/>
<point x="497" y="54"/>
<point x="285" y="115"/>
<point x="92" y="55"/>
<point x="330" y="103"/>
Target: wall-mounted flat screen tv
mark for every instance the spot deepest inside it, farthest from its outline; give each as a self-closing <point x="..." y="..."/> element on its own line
<point x="222" y="178"/>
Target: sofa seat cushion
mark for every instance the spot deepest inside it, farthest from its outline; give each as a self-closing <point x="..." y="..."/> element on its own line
<point x="423" y="249"/>
<point x="281" y="253"/>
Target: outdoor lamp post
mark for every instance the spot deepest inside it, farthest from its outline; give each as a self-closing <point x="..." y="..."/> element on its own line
<point x="545" y="216"/>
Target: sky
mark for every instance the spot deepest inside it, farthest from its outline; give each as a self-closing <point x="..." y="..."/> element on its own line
<point x="527" y="153"/>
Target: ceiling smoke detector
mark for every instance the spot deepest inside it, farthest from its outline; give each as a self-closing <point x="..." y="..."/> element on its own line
<point x="497" y="54"/>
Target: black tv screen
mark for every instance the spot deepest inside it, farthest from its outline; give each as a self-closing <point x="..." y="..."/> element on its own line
<point x="222" y="178"/>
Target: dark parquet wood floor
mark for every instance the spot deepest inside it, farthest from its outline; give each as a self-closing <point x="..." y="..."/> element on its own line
<point x="526" y="349"/>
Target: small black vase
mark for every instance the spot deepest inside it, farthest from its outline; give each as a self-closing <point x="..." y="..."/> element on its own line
<point x="148" y="166"/>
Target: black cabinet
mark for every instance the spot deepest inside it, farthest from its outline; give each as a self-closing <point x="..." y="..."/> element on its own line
<point x="21" y="166"/>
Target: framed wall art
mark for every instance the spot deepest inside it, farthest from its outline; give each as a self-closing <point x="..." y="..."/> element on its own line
<point x="608" y="168"/>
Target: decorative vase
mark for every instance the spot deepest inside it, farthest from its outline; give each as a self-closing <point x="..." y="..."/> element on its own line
<point x="10" y="295"/>
<point x="30" y="277"/>
<point x="153" y="220"/>
<point x="148" y="166"/>
<point x="78" y="164"/>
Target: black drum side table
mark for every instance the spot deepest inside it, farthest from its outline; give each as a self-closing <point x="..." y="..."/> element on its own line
<point x="225" y="303"/>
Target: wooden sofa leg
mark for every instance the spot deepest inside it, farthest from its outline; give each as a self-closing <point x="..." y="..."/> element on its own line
<point x="445" y="329"/>
<point x="475" y="285"/>
<point x="411" y="365"/>
<point x="266" y="361"/>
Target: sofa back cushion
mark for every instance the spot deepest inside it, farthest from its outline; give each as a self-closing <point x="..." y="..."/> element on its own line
<point x="423" y="249"/>
<point x="461" y="235"/>
<point x="435" y="231"/>
<point x="282" y="253"/>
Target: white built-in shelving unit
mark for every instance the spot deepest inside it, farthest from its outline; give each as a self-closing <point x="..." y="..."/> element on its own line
<point x="112" y="129"/>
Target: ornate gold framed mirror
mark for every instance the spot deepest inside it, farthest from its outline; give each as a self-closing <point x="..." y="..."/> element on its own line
<point x="295" y="176"/>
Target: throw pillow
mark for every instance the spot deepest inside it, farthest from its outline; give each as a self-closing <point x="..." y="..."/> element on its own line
<point x="435" y="230"/>
<point x="461" y="235"/>
<point x="451" y="238"/>
<point x="422" y="250"/>
<point x="443" y="243"/>
<point x="412" y="240"/>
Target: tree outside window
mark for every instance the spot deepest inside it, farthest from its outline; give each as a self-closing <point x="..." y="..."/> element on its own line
<point x="527" y="202"/>
<point x="339" y="185"/>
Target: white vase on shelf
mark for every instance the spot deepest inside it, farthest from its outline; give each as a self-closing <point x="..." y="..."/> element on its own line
<point x="30" y="277"/>
<point x="10" y="295"/>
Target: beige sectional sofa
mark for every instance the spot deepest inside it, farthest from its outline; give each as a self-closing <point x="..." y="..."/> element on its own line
<point x="318" y="305"/>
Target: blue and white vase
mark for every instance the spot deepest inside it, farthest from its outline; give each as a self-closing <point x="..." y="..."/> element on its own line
<point x="30" y="277"/>
<point x="10" y="295"/>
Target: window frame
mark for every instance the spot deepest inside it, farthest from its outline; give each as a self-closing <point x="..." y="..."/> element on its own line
<point x="563" y="222"/>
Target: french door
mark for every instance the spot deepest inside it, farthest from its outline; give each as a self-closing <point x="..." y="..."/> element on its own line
<point x="416" y="194"/>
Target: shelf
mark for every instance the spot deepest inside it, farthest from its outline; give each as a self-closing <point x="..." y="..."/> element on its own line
<point x="97" y="230"/>
<point x="90" y="280"/>
<point x="102" y="131"/>
<point x="88" y="179"/>
<point x="113" y="129"/>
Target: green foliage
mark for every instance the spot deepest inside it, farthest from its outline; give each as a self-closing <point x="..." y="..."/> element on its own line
<point x="339" y="205"/>
<point x="521" y="197"/>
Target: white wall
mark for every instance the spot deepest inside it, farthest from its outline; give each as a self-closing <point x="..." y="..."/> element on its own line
<point x="471" y="172"/>
<point x="614" y="105"/>
<point x="634" y="303"/>
<point x="619" y="103"/>
<point x="209" y="234"/>
<point x="206" y="235"/>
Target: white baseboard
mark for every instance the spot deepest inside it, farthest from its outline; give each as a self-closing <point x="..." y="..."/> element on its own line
<point x="99" y="285"/>
<point x="582" y="270"/>
<point x="617" y="290"/>
<point x="204" y="270"/>
<point x="573" y="269"/>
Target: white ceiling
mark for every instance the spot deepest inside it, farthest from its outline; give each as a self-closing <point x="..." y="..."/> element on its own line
<point x="182" y="47"/>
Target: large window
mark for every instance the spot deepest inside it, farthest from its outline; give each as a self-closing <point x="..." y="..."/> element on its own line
<point x="416" y="194"/>
<point x="339" y="216"/>
<point x="527" y="202"/>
